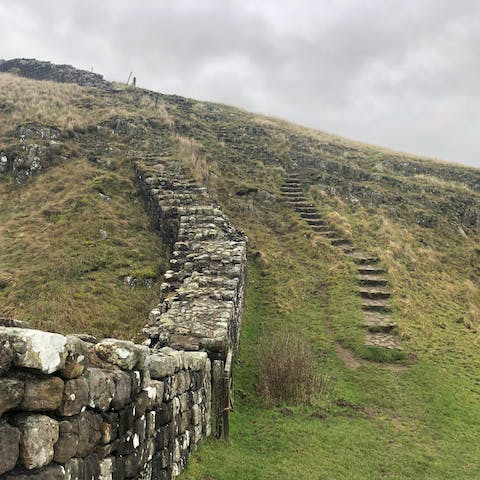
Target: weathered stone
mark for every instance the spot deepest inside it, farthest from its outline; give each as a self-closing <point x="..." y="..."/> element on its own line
<point x="35" y="349"/>
<point x="123" y="389"/>
<point x="9" y="447"/>
<point x="75" y="397"/>
<point x="42" y="393"/>
<point x="11" y="393"/>
<point x="195" y="360"/>
<point x="52" y="472"/>
<point x="161" y="366"/>
<point x="6" y="353"/>
<point x="78" y="436"/>
<point x="38" y="436"/>
<point x="126" y="355"/>
<point x="77" y="357"/>
<point x="106" y="469"/>
<point x="87" y="468"/>
<point x="101" y="388"/>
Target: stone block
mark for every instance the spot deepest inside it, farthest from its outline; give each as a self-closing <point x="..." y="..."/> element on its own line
<point x="77" y="357"/>
<point x="43" y="351"/>
<point x="101" y="386"/>
<point x="52" y="472"/>
<point x="42" y="393"/>
<point x="11" y="393"/>
<point x="124" y="354"/>
<point x="75" y="397"/>
<point x="123" y="389"/>
<point x="78" y="436"/>
<point x="38" y="435"/>
<point x="9" y="447"/>
<point x="6" y="353"/>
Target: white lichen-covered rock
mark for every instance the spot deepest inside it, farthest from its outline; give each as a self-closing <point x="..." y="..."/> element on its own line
<point x="126" y="355"/>
<point x="37" y="350"/>
<point x="38" y="435"/>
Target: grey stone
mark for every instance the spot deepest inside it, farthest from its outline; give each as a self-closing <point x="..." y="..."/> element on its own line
<point x="39" y="434"/>
<point x="77" y="357"/>
<point x="78" y="436"/>
<point x="6" y="353"/>
<point x="106" y="468"/>
<point x="11" y="393"/>
<point x="42" y="393"/>
<point x="101" y="388"/>
<point x="35" y="349"/>
<point x="52" y="472"/>
<point x="123" y="389"/>
<point x="75" y="397"/>
<point x="9" y="447"/>
<point x="161" y="366"/>
<point x="126" y="355"/>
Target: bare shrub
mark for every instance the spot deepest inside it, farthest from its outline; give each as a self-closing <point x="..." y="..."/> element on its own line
<point x="288" y="370"/>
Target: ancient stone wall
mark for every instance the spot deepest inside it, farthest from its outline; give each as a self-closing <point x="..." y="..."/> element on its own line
<point x="74" y="409"/>
<point x="205" y="286"/>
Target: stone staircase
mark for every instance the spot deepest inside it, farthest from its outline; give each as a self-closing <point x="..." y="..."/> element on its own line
<point x="380" y="329"/>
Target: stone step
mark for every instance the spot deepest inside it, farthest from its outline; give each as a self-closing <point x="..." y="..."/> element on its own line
<point x="347" y="248"/>
<point x="288" y="189"/>
<point x="383" y="340"/>
<point x="375" y="321"/>
<point x="375" y="293"/>
<point x="372" y="280"/>
<point x="315" y="221"/>
<point x="309" y="214"/>
<point x="292" y="194"/>
<point x="305" y="206"/>
<point x="363" y="258"/>
<point x="367" y="269"/>
<point x="337" y="242"/>
<point x="291" y="183"/>
<point x="374" y="305"/>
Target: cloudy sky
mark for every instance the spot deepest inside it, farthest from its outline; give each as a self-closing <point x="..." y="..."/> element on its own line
<point x="398" y="73"/>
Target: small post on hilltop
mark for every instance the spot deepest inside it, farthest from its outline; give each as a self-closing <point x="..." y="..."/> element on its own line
<point x="134" y="83"/>
<point x="156" y="100"/>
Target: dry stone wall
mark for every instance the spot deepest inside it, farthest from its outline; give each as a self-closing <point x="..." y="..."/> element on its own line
<point x="73" y="409"/>
<point x="78" y="409"/>
<point x="205" y="286"/>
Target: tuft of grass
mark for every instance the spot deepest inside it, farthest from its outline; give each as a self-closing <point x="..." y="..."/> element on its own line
<point x="287" y="369"/>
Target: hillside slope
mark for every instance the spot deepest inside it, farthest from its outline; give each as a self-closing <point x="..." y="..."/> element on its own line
<point x="78" y="254"/>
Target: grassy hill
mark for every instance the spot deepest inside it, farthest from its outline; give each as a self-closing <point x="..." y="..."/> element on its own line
<point x="78" y="254"/>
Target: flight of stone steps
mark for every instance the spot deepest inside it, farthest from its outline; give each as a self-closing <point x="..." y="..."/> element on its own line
<point x="373" y="287"/>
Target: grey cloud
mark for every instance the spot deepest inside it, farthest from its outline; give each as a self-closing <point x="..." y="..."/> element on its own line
<point x="403" y="74"/>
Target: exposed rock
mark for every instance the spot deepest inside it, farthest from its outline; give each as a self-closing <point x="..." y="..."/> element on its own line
<point x="38" y="436"/>
<point x="42" y="393"/>
<point x="39" y="70"/>
<point x="9" y="447"/>
<point x="35" y="349"/>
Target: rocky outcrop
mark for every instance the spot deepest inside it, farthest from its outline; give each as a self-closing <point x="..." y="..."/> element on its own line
<point x="38" y="70"/>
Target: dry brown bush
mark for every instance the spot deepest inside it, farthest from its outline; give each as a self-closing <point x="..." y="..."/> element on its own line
<point x="288" y="370"/>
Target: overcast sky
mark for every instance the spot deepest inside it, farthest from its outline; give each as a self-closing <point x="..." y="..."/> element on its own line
<point x="398" y="73"/>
